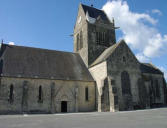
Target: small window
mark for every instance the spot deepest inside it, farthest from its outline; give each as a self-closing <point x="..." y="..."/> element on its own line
<point x="124" y="59"/>
<point x="81" y="41"/>
<point x="78" y="42"/>
<point x="11" y="95"/>
<point x="103" y="40"/>
<point x="112" y="82"/>
<point x="40" y="99"/>
<point x="157" y="91"/>
<point x="86" y="94"/>
<point x="1" y="65"/>
<point x="114" y="90"/>
<point x="98" y="37"/>
<point x="116" y="100"/>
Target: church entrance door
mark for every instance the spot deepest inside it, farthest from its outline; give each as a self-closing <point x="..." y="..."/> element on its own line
<point x="64" y="106"/>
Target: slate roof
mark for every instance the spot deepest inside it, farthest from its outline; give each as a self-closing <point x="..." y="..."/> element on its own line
<point x="27" y="62"/>
<point x="106" y="54"/>
<point x="149" y="68"/>
<point x="93" y="12"/>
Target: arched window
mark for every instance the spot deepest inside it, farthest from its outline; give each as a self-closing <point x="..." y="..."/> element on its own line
<point x="103" y="40"/>
<point x="1" y="65"/>
<point x="11" y="96"/>
<point x="40" y="99"/>
<point x="81" y="40"/>
<point x="78" y="42"/>
<point x="125" y="83"/>
<point x="157" y="89"/>
<point x="86" y="94"/>
<point x="97" y="38"/>
<point x="124" y="59"/>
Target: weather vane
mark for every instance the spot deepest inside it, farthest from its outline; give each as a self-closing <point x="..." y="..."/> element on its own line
<point x="91" y="3"/>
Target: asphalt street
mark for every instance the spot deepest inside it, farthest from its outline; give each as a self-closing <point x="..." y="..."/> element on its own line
<point x="152" y="118"/>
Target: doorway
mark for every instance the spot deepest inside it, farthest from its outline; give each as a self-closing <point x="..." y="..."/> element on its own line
<point x="64" y="106"/>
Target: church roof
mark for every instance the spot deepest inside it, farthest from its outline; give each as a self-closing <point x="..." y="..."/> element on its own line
<point x="149" y="68"/>
<point x="106" y="54"/>
<point x="27" y="62"/>
<point x="93" y="12"/>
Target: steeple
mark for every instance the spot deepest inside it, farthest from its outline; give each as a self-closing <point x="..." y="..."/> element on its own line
<point x="93" y="33"/>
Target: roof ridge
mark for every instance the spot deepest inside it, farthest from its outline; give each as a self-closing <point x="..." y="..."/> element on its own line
<point x="109" y="49"/>
<point x="150" y="68"/>
<point x="91" y="7"/>
<point x="152" y="65"/>
<point x="94" y="12"/>
<point x="39" y="48"/>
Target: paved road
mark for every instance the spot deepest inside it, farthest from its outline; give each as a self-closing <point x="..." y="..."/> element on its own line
<point x="155" y="118"/>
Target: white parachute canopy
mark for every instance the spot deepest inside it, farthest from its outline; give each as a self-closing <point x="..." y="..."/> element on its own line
<point x="90" y="19"/>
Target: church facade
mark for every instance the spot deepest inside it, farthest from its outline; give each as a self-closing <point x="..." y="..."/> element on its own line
<point x="101" y="75"/>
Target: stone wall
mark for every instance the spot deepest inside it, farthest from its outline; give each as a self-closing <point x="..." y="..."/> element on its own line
<point x="26" y="95"/>
<point x="155" y="89"/>
<point x="81" y="25"/>
<point x="122" y="60"/>
<point x="99" y="73"/>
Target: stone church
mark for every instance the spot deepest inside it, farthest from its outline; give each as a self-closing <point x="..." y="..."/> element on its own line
<point x="101" y="75"/>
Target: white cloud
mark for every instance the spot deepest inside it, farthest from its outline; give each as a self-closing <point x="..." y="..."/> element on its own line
<point x="11" y="43"/>
<point x="156" y="11"/>
<point x="163" y="70"/>
<point x="142" y="58"/>
<point x="138" y="29"/>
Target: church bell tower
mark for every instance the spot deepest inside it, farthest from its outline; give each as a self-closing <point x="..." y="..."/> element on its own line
<point x="93" y="33"/>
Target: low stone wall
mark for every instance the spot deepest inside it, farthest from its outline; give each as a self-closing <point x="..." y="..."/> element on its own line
<point x="27" y="98"/>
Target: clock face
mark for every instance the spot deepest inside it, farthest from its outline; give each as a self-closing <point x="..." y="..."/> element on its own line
<point x="79" y="19"/>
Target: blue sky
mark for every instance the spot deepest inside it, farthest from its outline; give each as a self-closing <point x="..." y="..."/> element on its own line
<point x="48" y="23"/>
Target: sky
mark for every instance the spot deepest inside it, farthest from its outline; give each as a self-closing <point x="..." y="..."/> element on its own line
<point x="49" y="23"/>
